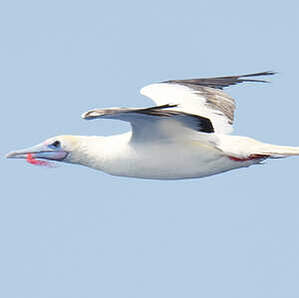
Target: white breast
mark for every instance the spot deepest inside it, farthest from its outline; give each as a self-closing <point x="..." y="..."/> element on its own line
<point x="163" y="160"/>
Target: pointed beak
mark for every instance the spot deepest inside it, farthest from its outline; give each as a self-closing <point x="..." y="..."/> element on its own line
<point x="40" y="151"/>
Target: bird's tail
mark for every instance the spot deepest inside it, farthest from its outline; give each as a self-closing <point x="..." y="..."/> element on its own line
<point x="276" y="151"/>
<point x="244" y="147"/>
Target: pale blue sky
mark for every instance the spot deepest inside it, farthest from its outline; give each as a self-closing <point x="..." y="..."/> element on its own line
<point x="73" y="232"/>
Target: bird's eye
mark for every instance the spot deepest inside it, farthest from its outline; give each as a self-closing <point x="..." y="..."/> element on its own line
<point x="55" y="144"/>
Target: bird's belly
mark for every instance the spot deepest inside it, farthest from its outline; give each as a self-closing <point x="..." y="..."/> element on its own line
<point x="192" y="160"/>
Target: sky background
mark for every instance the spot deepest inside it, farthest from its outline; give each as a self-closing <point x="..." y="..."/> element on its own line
<point x="73" y="232"/>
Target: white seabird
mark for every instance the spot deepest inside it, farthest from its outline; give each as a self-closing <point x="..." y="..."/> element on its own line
<point x="185" y="136"/>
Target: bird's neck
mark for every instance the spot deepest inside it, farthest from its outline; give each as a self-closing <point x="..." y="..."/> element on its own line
<point x="89" y="151"/>
<point x="98" y="152"/>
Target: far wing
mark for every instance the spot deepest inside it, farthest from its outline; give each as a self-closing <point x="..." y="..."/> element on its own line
<point x="156" y="122"/>
<point x="202" y="97"/>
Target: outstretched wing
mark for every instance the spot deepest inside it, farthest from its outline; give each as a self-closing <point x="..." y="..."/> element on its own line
<point x="203" y="97"/>
<point x="155" y="122"/>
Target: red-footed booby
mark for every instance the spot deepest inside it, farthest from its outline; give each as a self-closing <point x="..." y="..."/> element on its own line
<point x="186" y="135"/>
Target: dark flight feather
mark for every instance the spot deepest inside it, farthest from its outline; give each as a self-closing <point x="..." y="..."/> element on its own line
<point x="222" y="82"/>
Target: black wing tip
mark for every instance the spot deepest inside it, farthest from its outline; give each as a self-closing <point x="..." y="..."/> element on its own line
<point x="264" y="73"/>
<point x="86" y="115"/>
<point x="222" y="82"/>
<point x="92" y="114"/>
<point x="240" y="79"/>
<point x="258" y="74"/>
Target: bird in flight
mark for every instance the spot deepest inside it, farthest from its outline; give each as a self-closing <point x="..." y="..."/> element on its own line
<point x="185" y="135"/>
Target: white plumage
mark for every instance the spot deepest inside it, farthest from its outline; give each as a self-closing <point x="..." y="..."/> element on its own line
<point x="193" y="101"/>
<point x="184" y="136"/>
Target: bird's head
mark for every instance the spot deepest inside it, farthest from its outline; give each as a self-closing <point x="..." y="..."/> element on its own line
<point x="58" y="148"/>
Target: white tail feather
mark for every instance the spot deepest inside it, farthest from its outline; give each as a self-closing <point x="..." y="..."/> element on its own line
<point x="278" y="151"/>
<point x="243" y="147"/>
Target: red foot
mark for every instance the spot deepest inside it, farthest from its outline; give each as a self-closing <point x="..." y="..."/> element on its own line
<point x="250" y="157"/>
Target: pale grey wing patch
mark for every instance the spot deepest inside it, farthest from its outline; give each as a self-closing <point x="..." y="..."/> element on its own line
<point x="222" y="82"/>
<point x="218" y="101"/>
<point x="152" y="114"/>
